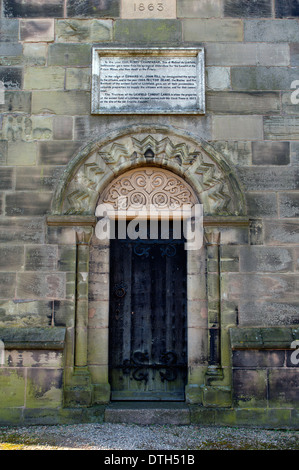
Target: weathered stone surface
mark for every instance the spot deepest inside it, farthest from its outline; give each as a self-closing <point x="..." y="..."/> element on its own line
<point x="67" y="258"/>
<point x="56" y="153"/>
<point x="286" y="8"/>
<point x="78" y="79"/>
<point x="92" y="8"/>
<point x="261" y="204"/>
<point x="31" y="285"/>
<point x="16" y="101"/>
<point x="35" y="53"/>
<point x="37" y="178"/>
<point x="281" y="127"/>
<point x="218" y="78"/>
<point x="35" y="358"/>
<point x="294" y="49"/>
<point x="147" y="31"/>
<point x="6" y="178"/>
<point x="294" y="153"/>
<point x="11" y="77"/>
<point x="171" y="414"/>
<point x="195" y="9"/>
<point x="263" y="78"/>
<point x="41" y="30"/>
<point x="250" y="387"/>
<point x="247" y="8"/>
<point x="71" y="30"/>
<point x="212" y="30"/>
<point x="271" y="30"/>
<point x="268" y="313"/>
<point x="269" y="178"/>
<point x="262" y="54"/>
<point x="251" y="63"/>
<point x="289" y="104"/>
<point x="33" y="338"/>
<point x="25" y="313"/>
<point x="18" y="128"/>
<point x="229" y="259"/>
<point x="11" y="54"/>
<point x="261" y="287"/>
<point x="21" y="153"/>
<point x="11" y="258"/>
<point x="12" y="387"/>
<point x="8" y="285"/>
<point x="44" y="78"/>
<point x="63" y="128"/>
<point x="289" y="204"/>
<point x="270" y="153"/>
<point x="21" y="231"/>
<point x="69" y="54"/>
<point x="3" y="152"/>
<point x="9" y="30"/>
<point x="237" y="128"/>
<point x="64" y="313"/>
<point x="41" y="258"/>
<point x="258" y="358"/>
<point x="279" y="232"/>
<point x="28" y="203"/>
<point x="283" y="387"/>
<point x="44" y="388"/>
<point x="266" y="259"/>
<point x="238" y="152"/>
<point x="86" y="126"/>
<point x="243" y="102"/>
<point x="61" y="102"/>
<point x="33" y="9"/>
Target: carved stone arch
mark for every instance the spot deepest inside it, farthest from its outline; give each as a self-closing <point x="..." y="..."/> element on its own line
<point x="196" y="161"/>
<point x="208" y="178"/>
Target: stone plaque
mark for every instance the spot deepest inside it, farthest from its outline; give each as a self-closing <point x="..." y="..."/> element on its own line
<point x="148" y="9"/>
<point x="148" y="81"/>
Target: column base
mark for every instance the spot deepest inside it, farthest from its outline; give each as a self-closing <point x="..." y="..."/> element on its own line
<point x="79" y="391"/>
<point x="101" y="394"/>
<point x="217" y="397"/>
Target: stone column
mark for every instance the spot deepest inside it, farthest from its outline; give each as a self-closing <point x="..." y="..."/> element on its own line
<point x="197" y="325"/>
<point x="213" y="293"/>
<point x="75" y="231"/>
<point x="81" y="317"/>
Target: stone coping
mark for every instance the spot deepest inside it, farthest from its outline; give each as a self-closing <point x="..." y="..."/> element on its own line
<point x="263" y="338"/>
<point x="51" y="338"/>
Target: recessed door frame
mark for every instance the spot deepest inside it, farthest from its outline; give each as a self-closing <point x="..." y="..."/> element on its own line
<point x="144" y="368"/>
<point x="197" y="317"/>
<point x="72" y="222"/>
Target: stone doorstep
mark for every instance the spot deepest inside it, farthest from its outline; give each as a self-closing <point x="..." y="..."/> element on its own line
<point x="148" y="413"/>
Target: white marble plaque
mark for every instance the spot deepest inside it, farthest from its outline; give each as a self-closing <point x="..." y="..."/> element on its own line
<point x="148" y="82"/>
<point x="148" y="9"/>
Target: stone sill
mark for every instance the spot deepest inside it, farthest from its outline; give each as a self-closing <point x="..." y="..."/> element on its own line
<point x="90" y="220"/>
<point x="263" y="338"/>
<point x="33" y="338"/>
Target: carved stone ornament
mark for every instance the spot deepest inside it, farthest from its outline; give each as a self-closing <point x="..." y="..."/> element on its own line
<point x="159" y="167"/>
<point x="148" y="187"/>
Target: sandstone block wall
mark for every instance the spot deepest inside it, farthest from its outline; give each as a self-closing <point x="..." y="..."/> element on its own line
<point x="252" y="62"/>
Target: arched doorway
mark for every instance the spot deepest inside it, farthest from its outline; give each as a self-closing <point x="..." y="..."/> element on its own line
<point x="211" y="180"/>
<point x="148" y="295"/>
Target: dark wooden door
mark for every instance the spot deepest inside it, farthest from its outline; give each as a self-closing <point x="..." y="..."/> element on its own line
<point x="147" y="322"/>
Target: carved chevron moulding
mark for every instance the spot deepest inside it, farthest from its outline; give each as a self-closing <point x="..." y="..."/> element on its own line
<point x="130" y="152"/>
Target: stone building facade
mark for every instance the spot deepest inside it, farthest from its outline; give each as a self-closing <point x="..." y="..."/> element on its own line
<point x="240" y="160"/>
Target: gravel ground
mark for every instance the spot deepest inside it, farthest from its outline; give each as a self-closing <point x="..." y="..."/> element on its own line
<point x="151" y="437"/>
